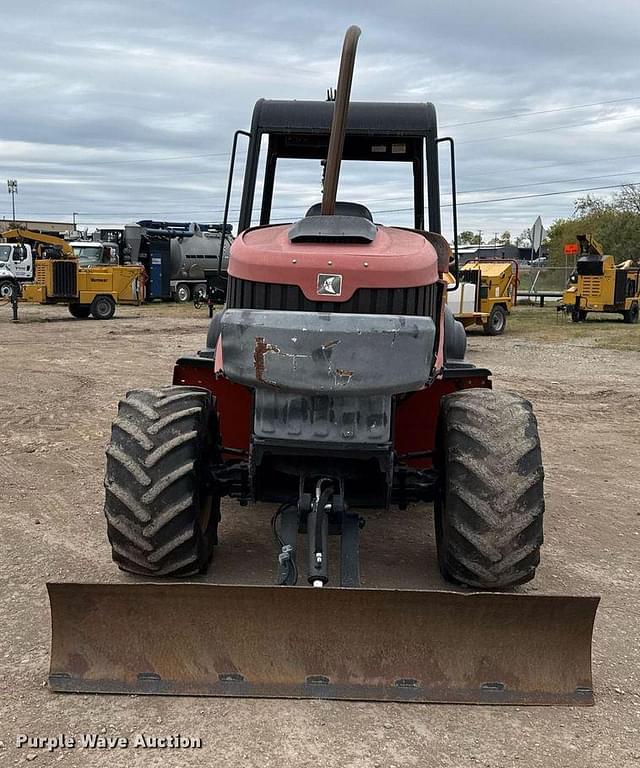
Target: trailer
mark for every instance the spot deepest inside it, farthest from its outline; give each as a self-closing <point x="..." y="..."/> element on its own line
<point x="485" y="294"/>
<point x="175" y="255"/>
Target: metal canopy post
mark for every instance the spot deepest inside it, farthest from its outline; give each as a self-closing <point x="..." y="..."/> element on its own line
<point x="267" y="187"/>
<point x="454" y="204"/>
<point x="227" y="201"/>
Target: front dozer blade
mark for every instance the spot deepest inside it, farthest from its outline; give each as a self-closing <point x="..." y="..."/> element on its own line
<point x="366" y="644"/>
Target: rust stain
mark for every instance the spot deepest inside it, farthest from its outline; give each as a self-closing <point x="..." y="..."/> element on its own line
<point x="342" y="377"/>
<point x="259" y="351"/>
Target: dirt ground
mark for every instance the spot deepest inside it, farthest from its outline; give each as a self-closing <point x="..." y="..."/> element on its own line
<point x="60" y="380"/>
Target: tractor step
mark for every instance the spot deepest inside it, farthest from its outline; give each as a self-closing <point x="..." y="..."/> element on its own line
<point x="334" y="643"/>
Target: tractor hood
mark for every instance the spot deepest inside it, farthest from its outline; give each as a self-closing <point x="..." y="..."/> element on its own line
<point x="333" y="271"/>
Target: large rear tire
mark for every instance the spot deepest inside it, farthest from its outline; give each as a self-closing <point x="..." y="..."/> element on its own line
<point x="490" y="501"/>
<point x="161" y="507"/>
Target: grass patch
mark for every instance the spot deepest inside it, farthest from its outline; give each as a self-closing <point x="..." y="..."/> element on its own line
<point x="599" y="330"/>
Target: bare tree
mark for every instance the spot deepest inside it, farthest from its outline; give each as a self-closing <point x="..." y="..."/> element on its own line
<point x="628" y="199"/>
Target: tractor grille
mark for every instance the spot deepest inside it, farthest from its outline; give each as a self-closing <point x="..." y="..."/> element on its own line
<point x="246" y="294"/>
<point x="590" y="286"/>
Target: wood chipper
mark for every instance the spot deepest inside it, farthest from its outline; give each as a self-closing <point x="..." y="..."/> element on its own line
<point x="333" y="383"/>
<point x="599" y="285"/>
<point x="46" y="270"/>
<point x="486" y="292"/>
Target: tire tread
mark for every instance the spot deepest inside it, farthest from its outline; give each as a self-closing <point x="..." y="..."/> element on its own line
<point x="154" y="482"/>
<point x="491" y="501"/>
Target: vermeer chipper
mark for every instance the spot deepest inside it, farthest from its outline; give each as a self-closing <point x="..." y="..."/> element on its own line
<point x="333" y="384"/>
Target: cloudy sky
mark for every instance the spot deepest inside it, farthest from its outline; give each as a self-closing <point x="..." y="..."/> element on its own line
<point x="125" y="110"/>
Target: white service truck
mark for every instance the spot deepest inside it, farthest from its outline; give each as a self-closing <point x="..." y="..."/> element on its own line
<point x="16" y="264"/>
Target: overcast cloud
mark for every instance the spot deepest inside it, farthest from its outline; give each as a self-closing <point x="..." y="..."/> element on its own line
<point x="125" y="110"/>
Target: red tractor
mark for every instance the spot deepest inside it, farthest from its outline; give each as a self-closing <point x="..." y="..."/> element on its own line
<point x="333" y="382"/>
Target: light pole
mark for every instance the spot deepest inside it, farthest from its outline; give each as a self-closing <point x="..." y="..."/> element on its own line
<point x="74" y="214"/>
<point x="12" y="189"/>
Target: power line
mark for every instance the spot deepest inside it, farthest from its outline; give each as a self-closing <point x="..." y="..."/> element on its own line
<point x="539" y="112"/>
<point x="446" y="125"/>
<point x="132" y="162"/>
<point x="212" y="190"/>
<point x="205" y="208"/>
<point x="159" y="159"/>
<point x="516" y="197"/>
<point x="546" y="130"/>
<point x="571" y="162"/>
<point x="541" y="183"/>
<point x="519" y="170"/>
<point x="387" y="210"/>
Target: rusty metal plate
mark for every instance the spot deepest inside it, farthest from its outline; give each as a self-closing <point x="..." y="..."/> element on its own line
<point x="362" y="644"/>
<point x="319" y="353"/>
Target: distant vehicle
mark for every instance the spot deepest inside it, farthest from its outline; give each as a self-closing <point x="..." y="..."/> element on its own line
<point x="16" y="265"/>
<point x="45" y="269"/>
<point x="539" y="262"/>
<point x="600" y="285"/>
<point x="486" y="294"/>
<point x="19" y="253"/>
<point x="92" y="254"/>
<point x="175" y="255"/>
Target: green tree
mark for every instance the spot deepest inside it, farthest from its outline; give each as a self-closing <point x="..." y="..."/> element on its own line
<point x="505" y="237"/>
<point x="615" y="222"/>
<point x="468" y="238"/>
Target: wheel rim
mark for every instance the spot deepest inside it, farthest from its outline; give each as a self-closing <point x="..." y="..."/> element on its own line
<point x="182" y="293"/>
<point x="6" y="290"/>
<point x="498" y="321"/>
<point x="103" y="307"/>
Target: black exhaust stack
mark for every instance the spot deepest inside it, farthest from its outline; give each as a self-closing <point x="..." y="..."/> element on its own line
<point x="344" y="227"/>
<point x="339" y="124"/>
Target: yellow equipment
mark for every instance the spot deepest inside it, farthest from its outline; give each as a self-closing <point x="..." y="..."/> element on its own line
<point x="86" y="290"/>
<point x="40" y="240"/>
<point x="486" y="293"/>
<point x="599" y="285"/>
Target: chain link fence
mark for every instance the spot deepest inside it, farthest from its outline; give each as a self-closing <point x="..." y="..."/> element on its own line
<point x="538" y="280"/>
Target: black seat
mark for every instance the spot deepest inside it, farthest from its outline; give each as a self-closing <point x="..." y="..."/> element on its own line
<point x="343" y="209"/>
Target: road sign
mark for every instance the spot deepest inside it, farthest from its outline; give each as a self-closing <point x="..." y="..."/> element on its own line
<point x="571" y="249"/>
<point x="537" y="233"/>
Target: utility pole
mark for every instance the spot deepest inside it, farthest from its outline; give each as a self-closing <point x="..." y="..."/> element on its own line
<point x="479" y="237"/>
<point x="12" y="189"/>
<point x="74" y="214"/>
